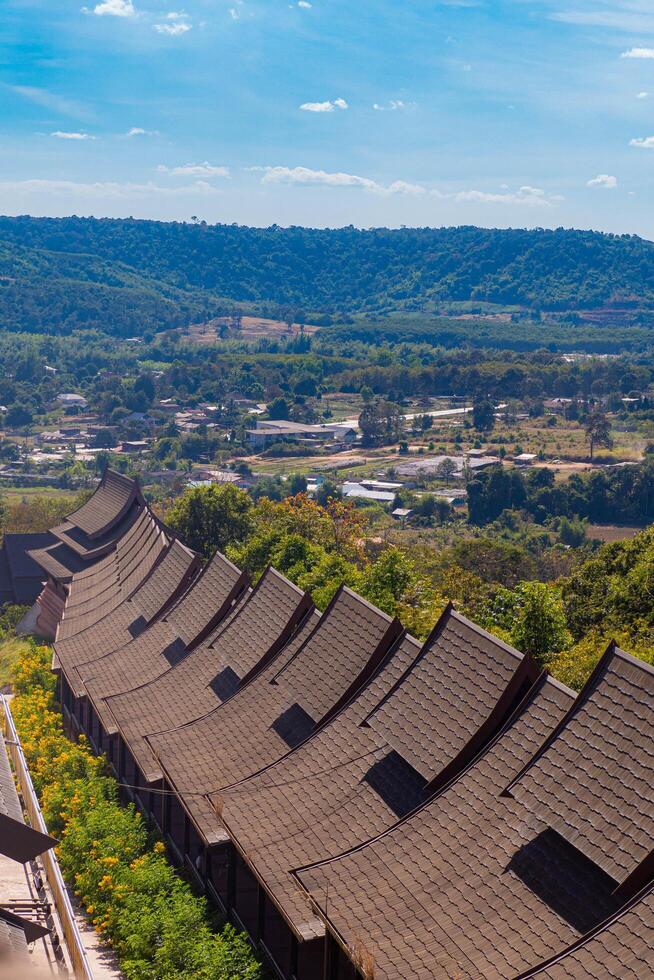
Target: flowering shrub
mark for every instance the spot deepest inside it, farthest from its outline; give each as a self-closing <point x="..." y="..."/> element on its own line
<point x="136" y="901"/>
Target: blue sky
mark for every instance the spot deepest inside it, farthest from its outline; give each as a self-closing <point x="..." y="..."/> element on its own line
<point x="331" y="112"/>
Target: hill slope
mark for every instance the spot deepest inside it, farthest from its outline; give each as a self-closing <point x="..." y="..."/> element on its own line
<point x="116" y="272"/>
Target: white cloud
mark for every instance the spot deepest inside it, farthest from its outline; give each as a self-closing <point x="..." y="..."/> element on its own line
<point x="632" y="16"/>
<point x="303" y="175"/>
<point x="42" y="97"/>
<point x="329" y="106"/>
<point x="606" y="181"/>
<point x="533" y="197"/>
<point x="526" y="196"/>
<point x="106" y="189"/>
<point x="643" y="142"/>
<point x="393" y="105"/>
<point x="205" y="169"/>
<point x="174" y="29"/>
<point x="72" y="136"/>
<point x="139" y="131"/>
<point x="304" y="4"/>
<point x="113" y="8"/>
<point x="643" y="95"/>
<point x="647" y="53"/>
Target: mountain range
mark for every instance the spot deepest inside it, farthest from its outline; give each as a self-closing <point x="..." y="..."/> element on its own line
<point x="126" y="276"/>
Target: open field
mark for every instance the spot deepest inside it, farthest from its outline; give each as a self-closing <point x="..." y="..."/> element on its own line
<point x="248" y="328"/>
<point x="343" y="463"/>
<point x="611" y="532"/>
<point x="14" y="495"/>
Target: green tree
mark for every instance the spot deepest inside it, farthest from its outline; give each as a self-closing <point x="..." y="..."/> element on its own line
<point x="598" y="431"/>
<point x="446" y="469"/>
<point x="380" y="422"/>
<point x="210" y="518"/>
<point x="483" y="415"/>
<point x="18" y="416"/>
<point x="268" y="486"/>
<point x="278" y="409"/>
<point x="572" y="532"/>
<point x="386" y="580"/>
<point x="145" y="384"/>
<point x="326" y="491"/>
<point x="539" y="628"/>
<point x="297" y="483"/>
<point x="104" y="439"/>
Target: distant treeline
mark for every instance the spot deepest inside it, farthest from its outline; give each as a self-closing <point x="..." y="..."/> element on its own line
<point x="617" y="495"/>
<point x="631" y="332"/>
<point x="35" y="368"/>
<point x="59" y="273"/>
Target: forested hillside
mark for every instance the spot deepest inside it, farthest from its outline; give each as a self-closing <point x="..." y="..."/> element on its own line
<point x="62" y="273"/>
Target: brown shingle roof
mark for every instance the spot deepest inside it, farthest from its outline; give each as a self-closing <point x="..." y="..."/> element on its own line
<point x="189" y="751"/>
<point x="358" y="774"/>
<point x="90" y="548"/>
<point x="177" y="568"/>
<point x="57" y="561"/>
<point x="321" y="680"/>
<point x="107" y="505"/>
<point x="62" y="551"/>
<point x="214" y="590"/>
<point x="174" y="572"/>
<point x="91" y="581"/>
<point x="471" y="885"/>
<point x="21" y="562"/>
<point x="445" y="698"/>
<point x="168" y="640"/>
<point x="258" y="628"/>
<point x="13" y="947"/>
<point x="593" y="781"/>
<point x="115" y="580"/>
<point x="281" y="707"/>
<point x="622" y="948"/>
<point x="319" y="798"/>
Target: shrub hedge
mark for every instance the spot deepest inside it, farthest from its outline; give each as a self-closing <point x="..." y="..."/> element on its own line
<point x="158" y="927"/>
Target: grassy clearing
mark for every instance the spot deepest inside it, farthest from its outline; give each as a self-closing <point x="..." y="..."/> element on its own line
<point x="17" y="493"/>
<point x="11" y="650"/>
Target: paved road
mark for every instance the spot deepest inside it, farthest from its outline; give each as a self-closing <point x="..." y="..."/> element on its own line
<point x="440" y="414"/>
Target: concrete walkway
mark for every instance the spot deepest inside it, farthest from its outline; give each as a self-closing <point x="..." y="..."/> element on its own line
<point x="16" y="886"/>
<point x="102" y="958"/>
